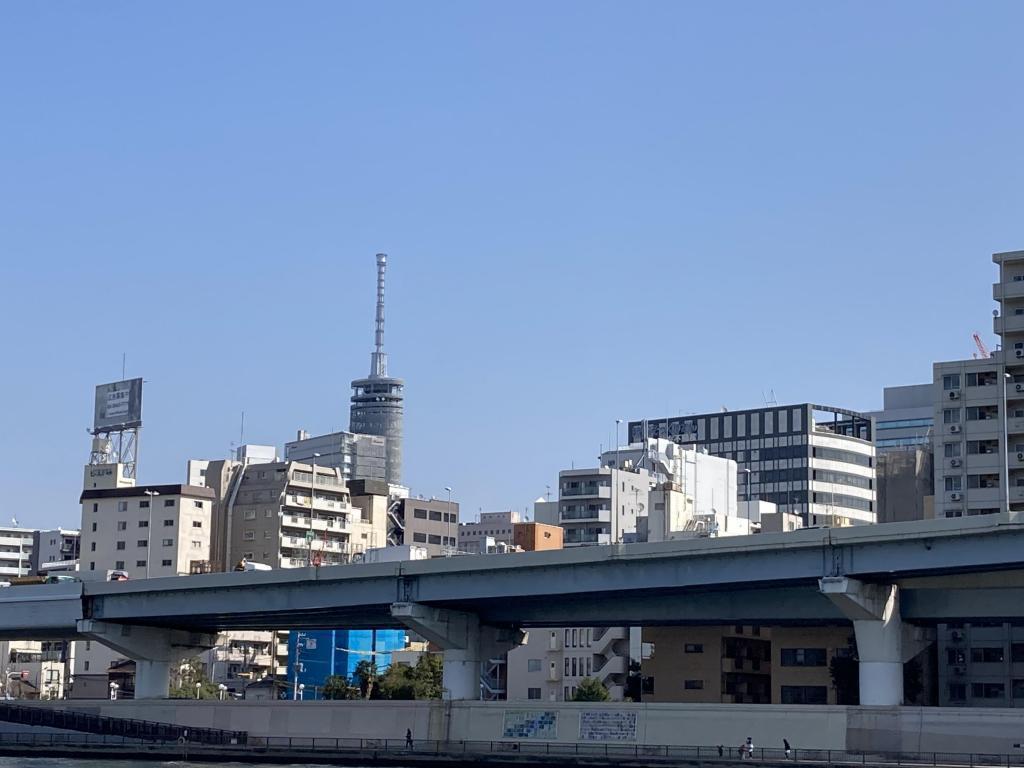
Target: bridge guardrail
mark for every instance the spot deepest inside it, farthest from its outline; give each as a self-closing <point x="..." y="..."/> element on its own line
<point x="656" y="753"/>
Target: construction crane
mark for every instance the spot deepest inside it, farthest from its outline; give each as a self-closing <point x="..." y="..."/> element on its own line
<point x="982" y="349"/>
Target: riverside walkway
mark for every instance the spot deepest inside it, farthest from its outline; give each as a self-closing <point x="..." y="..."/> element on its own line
<point x="395" y="752"/>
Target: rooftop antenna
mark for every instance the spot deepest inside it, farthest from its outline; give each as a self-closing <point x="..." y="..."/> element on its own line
<point x="241" y="431"/>
<point x="124" y="364"/>
<point x="379" y="358"/>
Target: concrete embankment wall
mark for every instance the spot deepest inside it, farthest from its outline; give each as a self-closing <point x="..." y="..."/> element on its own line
<point x="906" y="729"/>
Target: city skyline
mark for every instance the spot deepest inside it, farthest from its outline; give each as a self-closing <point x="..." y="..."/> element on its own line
<point x="595" y="218"/>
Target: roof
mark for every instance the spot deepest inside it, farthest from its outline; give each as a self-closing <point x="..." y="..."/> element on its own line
<point x="189" y="491"/>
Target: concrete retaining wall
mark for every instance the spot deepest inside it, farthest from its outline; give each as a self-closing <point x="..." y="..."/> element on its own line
<point x="906" y="729"/>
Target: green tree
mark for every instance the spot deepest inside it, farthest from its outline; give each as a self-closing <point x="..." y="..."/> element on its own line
<point x="591" y="690"/>
<point x="422" y="682"/>
<point x="367" y="678"/>
<point x="339" y="687"/>
<point x="186" y="676"/>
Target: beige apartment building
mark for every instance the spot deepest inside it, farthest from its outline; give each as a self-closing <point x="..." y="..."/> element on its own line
<point x="430" y="523"/>
<point x="742" y="664"/>
<point x="35" y="669"/>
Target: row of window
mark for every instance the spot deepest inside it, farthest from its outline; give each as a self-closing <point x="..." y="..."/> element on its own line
<point x="904" y="424"/>
<point x="986" y="655"/>
<point x="979" y="379"/>
<point x="958" y="691"/>
<point x="120" y="564"/>
<point x="423" y="538"/>
<point x="955" y="482"/>
<point x="974" y="448"/>
<point x="435" y="515"/>
<point x="972" y="413"/>
<point x="144" y="543"/>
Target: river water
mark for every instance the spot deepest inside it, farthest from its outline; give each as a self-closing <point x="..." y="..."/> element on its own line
<point x="47" y="762"/>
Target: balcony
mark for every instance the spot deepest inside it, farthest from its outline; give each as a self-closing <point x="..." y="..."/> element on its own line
<point x="1013" y="289"/>
<point x="596" y="491"/>
<point x="592" y="516"/>
<point x="582" y="538"/>
<point x="1015" y="426"/>
<point x="1009" y="323"/>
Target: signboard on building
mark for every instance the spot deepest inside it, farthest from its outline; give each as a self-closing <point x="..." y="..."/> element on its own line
<point x="118" y="405"/>
<point x="607" y="725"/>
<point x="530" y="724"/>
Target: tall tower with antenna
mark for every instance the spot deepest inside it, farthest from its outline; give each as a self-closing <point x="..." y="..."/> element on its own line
<point x="378" y="400"/>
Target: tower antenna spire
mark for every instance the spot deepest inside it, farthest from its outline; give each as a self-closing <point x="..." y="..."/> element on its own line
<point x="379" y="358"/>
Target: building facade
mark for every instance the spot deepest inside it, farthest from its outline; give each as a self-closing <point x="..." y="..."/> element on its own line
<point x="499" y="527"/>
<point x="981" y="664"/>
<point x="431" y="523"/>
<point x="979" y="412"/>
<point x="813" y="460"/>
<point x="16" y="551"/>
<point x="904" y="462"/>
<point x="359" y="457"/>
<point x="51" y="547"/>
<point x="601" y="505"/>
<point x="315" y="655"/>
<point x="35" y="669"/>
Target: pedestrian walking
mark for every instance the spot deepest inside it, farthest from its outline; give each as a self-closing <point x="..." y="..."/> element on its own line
<point x="721" y="751"/>
<point x="789" y="749"/>
<point x="750" y="748"/>
<point x="408" y="738"/>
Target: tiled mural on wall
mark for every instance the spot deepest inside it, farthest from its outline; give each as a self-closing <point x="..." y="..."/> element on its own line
<point x="530" y="724"/>
<point x="602" y="725"/>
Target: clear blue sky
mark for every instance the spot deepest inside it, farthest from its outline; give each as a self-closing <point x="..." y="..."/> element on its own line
<point x="593" y="211"/>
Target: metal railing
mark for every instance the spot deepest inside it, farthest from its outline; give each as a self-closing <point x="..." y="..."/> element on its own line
<point x="612" y="751"/>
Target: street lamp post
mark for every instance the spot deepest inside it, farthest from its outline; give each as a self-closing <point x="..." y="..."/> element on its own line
<point x="113" y="691"/>
<point x="448" y="488"/>
<point x="223" y="690"/>
<point x="199" y="687"/>
<point x="149" y="530"/>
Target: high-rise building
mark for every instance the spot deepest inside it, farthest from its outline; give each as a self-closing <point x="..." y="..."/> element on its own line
<point x="315" y="655"/>
<point x="813" y="460"/>
<point x="904" y="467"/>
<point x="377" y="401"/>
<point x="979" y="412"/>
<point x="359" y="457"/>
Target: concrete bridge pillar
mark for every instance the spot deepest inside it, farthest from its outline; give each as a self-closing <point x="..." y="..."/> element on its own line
<point x="467" y="644"/>
<point x="152" y="649"/>
<point x="874" y="610"/>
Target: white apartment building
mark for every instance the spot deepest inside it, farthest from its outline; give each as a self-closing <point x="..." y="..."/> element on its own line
<point x="55" y="550"/>
<point x="15" y="551"/>
<point x="35" y="669"/>
<point x="601" y="505"/>
<point x="979" y="413"/>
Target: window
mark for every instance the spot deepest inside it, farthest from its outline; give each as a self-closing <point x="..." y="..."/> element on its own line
<point x="957" y="691"/>
<point x="803" y="657"/>
<point x="119" y="565"/>
<point x="197" y="504"/>
<point x="95" y="507"/>
<point x="122" y="525"/>
<point x="144" y="504"/>
<point x="435" y="516"/>
<point x="1018" y="689"/>
<point x="168" y="502"/>
<point x="574" y="638"/>
<point x="197" y="544"/>
<point x="449" y="517"/>
<point x="1017" y="653"/>
<point x="197" y="523"/>
<point x="268" y="513"/>
<point x="533" y="665"/>
<point x="119" y="545"/>
<point x="982" y="379"/>
<point x="951" y="416"/>
<point x="987" y="655"/>
<point x="419" y="538"/>
<point x="143" y="523"/>
<point x="168" y="523"/>
<point x="983" y="481"/>
<point x="122" y="506"/>
<point x="250" y="514"/>
<point x="140" y="563"/>
<point x="693" y="685"/>
<point x="982" y="413"/>
<point x="951" y="450"/>
<point x="433" y="539"/>
<point x="419" y="514"/>
<point x="249" y="536"/>
<point x="168" y="542"/>
<point x="951" y="381"/>
<point x="92" y="546"/>
<point x="566" y="666"/>
<point x="92" y="566"/>
<point x="693" y="648"/>
<point x="143" y="542"/>
<point x="804" y="694"/>
<point x="574" y="673"/>
<point x="94" y="527"/>
<point x="165" y="563"/>
<point x="988" y="690"/>
<point x="533" y="693"/>
<point x="954" y="483"/>
<point x="86" y="666"/>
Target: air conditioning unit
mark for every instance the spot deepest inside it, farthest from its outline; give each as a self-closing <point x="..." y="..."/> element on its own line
<point x="1020" y="455"/>
<point x="957" y="635"/>
<point x="954" y="428"/>
<point x="954" y="394"/>
<point x="955" y="462"/>
<point x="1019" y="387"/>
<point x="956" y="496"/>
<point x="1019" y="352"/>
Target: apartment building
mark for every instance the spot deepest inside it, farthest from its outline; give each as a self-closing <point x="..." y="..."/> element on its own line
<point x="601" y="505"/>
<point x="813" y="460"/>
<point x="276" y="514"/>
<point x="979" y="412"/>
<point x="431" y="523"/>
<point x="35" y="669"/>
<point x="493" y="527"/>
<point x="16" y="545"/>
<point x="981" y="664"/>
<point x="58" y="548"/>
<point x="742" y="664"/>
